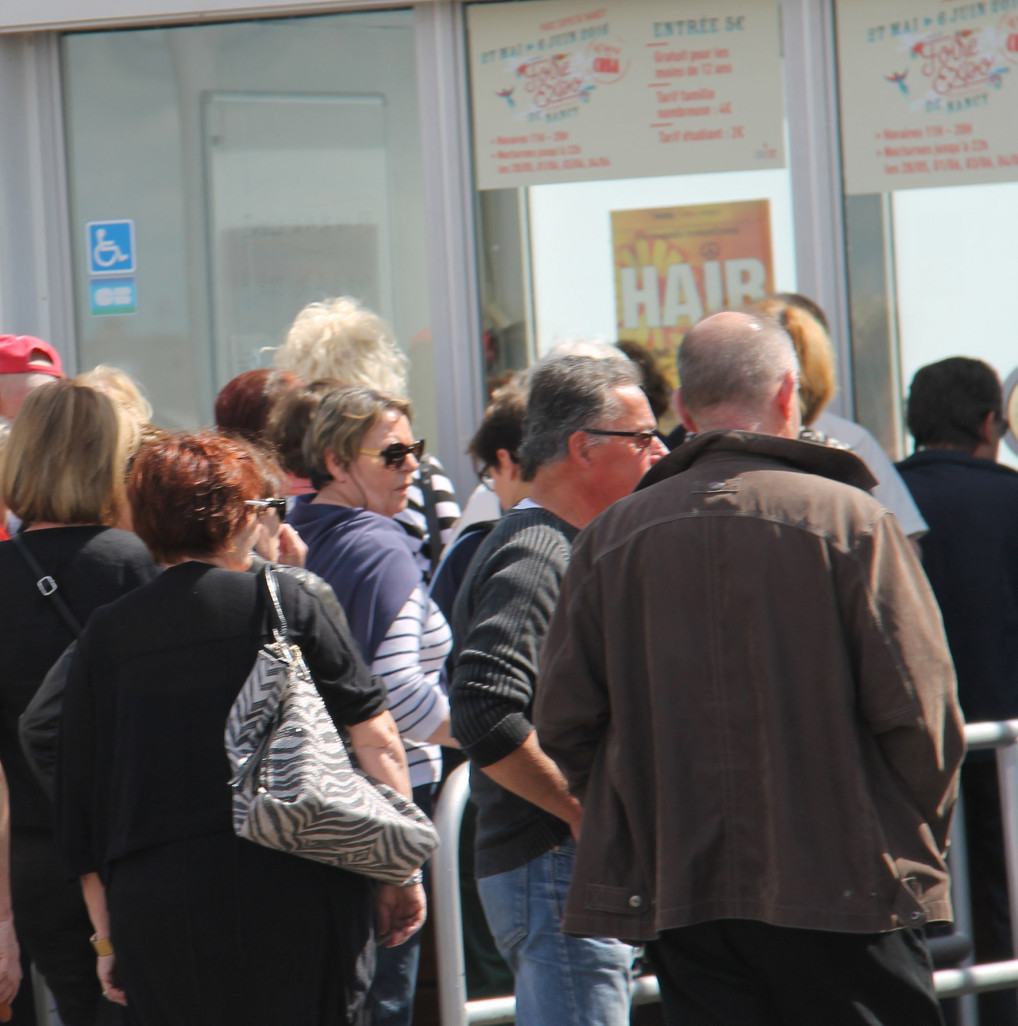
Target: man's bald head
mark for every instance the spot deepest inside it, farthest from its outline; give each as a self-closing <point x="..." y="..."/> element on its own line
<point x="733" y="368"/>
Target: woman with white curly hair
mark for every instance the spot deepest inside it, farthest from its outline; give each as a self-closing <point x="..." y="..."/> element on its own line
<point x="341" y="339"/>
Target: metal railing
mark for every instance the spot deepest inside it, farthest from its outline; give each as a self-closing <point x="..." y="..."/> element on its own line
<point x="456" y="1010"/>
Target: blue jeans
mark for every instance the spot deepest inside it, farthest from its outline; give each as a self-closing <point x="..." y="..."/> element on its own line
<point x="559" y="979"/>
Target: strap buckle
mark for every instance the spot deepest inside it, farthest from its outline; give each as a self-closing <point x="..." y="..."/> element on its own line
<point x="46" y="585"/>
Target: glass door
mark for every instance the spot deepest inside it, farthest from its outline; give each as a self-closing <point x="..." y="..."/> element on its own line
<point x="250" y="167"/>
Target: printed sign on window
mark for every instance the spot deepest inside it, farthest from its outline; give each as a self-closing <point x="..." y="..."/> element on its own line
<point x="570" y="90"/>
<point x="929" y="93"/>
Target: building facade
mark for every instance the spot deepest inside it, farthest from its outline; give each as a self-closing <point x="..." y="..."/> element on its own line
<point x="176" y="182"/>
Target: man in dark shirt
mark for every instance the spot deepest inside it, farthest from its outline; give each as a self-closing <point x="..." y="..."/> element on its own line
<point x="970" y="554"/>
<point x="588" y="439"/>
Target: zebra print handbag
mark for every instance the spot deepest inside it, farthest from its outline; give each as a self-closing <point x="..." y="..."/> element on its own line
<point x="295" y="788"/>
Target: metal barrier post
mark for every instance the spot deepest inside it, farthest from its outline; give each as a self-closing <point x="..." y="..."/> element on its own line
<point x="445" y="890"/>
<point x="1007" y="771"/>
<point x="961" y="903"/>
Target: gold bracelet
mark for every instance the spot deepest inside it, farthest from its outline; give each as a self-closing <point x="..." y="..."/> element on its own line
<point x="101" y="947"/>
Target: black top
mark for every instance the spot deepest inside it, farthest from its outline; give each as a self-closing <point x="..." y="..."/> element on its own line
<point x="970" y="555"/>
<point x="453" y="569"/>
<point x="500" y="618"/>
<point x="142" y="757"/>
<point x="92" y="566"/>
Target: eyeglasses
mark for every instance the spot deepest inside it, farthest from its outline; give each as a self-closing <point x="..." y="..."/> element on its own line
<point x="279" y="505"/>
<point x="641" y="439"/>
<point x="394" y="456"/>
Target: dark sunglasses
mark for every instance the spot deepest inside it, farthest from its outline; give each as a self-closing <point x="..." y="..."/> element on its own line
<point x="394" y="456"/>
<point x="641" y="439"/>
<point x="279" y="505"/>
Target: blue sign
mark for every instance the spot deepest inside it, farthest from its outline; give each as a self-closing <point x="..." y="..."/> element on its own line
<point x="113" y="296"/>
<point x="111" y="247"/>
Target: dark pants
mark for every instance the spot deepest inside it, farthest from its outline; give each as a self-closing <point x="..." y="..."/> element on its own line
<point x="53" y="930"/>
<point x="738" y="972"/>
<point x="217" y="931"/>
<point x="391" y="998"/>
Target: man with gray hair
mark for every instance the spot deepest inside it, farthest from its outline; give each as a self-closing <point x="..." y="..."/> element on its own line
<point x="588" y="439"/>
<point x="747" y="685"/>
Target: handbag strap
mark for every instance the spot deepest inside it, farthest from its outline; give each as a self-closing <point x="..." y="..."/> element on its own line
<point x="277" y="618"/>
<point x="47" y="586"/>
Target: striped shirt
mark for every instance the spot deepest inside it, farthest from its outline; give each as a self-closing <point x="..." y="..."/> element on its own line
<point x="402" y="635"/>
<point x="411" y="660"/>
<point x="414" y="519"/>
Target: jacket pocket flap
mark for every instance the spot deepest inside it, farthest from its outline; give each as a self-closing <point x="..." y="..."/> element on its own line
<point x="598" y="898"/>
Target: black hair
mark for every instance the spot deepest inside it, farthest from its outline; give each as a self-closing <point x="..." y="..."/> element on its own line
<point x="502" y="427"/>
<point x="948" y="403"/>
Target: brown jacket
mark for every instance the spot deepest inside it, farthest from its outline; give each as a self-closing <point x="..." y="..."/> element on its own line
<point x="747" y="683"/>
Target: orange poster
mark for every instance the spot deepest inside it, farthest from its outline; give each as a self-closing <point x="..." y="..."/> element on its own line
<point x="673" y="265"/>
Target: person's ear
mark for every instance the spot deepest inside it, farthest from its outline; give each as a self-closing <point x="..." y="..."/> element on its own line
<point x="989" y="430"/>
<point x="337" y="471"/>
<point x="579" y="447"/>
<point x="506" y="463"/>
<point x="688" y="422"/>
<point x="787" y="399"/>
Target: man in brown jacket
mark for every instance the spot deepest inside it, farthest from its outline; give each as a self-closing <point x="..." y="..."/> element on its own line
<point x="747" y="685"/>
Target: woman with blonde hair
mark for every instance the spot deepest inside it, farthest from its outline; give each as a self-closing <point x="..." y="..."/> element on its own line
<point x="340" y="339"/>
<point x="126" y="396"/>
<point x="817" y="379"/>
<point x="62" y="474"/>
<point x="806" y="324"/>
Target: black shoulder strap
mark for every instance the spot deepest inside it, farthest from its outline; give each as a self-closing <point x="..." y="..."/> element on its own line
<point x="277" y="618"/>
<point x="47" y="586"/>
<point x="431" y="516"/>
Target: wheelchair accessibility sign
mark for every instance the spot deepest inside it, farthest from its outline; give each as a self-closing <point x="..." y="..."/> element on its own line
<point x="113" y="296"/>
<point x="111" y="247"/>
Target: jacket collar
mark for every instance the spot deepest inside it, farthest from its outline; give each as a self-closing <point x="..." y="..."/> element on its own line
<point x="811" y="457"/>
<point x="927" y="457"/>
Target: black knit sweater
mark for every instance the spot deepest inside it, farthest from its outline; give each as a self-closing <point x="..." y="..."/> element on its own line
<point x="499" y="622"/>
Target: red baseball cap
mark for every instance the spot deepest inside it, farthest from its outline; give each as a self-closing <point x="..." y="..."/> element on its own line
<point x="25" y="354"/>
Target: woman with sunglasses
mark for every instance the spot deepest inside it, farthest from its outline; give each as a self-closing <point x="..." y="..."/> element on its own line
<point x="361" y="456"/>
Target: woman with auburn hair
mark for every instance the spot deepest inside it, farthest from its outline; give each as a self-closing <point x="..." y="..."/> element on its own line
<point x="361" y="457"/>
<point x="196" y="925"/>
<point x="62" y="474"/>
<point x="245" y="402"/>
